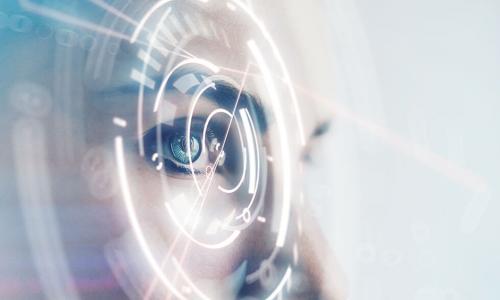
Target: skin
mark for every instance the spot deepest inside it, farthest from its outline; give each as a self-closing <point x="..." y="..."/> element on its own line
<point x="209" y="269"/>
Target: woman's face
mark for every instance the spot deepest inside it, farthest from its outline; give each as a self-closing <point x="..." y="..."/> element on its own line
<point x="193" y="136"/>
<point x="203" y="130"/>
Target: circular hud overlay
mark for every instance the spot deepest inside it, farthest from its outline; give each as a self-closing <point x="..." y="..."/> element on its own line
<point x="204" y="162"/>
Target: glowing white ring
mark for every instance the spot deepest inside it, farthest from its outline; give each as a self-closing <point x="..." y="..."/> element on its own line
<point x="206" y="84"/>
<point x="285" y="216"/>
<point x="281" y="62"/>
<point x="146" y="17"/>
<point x="122" y="171"/>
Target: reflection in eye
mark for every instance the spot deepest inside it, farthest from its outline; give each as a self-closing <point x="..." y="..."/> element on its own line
<point x="166" y="148"/>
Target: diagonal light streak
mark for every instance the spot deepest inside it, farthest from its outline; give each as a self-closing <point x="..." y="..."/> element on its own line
<point x="186" y="248"/>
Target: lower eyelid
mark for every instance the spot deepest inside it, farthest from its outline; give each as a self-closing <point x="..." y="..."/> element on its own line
<point x="180" y="169"/>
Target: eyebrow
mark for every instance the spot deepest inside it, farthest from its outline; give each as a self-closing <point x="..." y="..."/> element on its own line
<point x="224" y="95"/>
<point x="321" y="129"/>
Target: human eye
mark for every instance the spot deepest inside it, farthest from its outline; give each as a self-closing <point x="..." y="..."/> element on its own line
<point x="211" y="142"/>
<point x="170" y="149"/>
<point x="206" y="128"/>
<point x="166" y="148"/>
<point x="193" y="114"/>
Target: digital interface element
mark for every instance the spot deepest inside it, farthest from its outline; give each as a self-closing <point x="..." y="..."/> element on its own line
<point x="151" y="153"/>
<point x="227" y="226"/>
<point x="215" y="124"/>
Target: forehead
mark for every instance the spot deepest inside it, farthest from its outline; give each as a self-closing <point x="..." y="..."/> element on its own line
<point x="107" y="76"/>
<point x="113" y="83"/>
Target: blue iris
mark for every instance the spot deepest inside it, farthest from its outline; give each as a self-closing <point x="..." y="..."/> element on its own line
<point x="166" y="147"/>
<point x="179" y="148"/>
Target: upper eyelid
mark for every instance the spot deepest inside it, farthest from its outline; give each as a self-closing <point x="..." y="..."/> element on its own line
<point x="176" y="123"/>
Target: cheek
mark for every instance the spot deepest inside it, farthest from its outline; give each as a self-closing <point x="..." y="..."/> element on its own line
<point x="159" y="200"/>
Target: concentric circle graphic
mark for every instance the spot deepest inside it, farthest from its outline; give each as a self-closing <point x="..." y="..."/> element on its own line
<point x="214" y="108"/>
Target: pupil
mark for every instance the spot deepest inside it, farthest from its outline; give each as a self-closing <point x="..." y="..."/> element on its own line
<point x="185" y="145"/>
